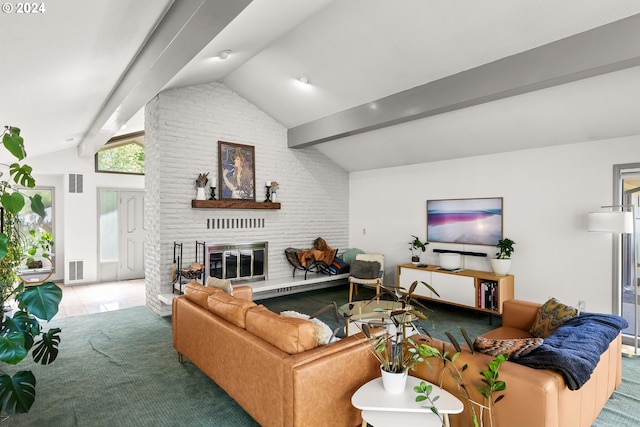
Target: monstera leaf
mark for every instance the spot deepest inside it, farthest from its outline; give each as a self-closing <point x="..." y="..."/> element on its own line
<point x="14" y="143"/>
<point x="17" y="393"/>
<point x="12" y="349"/>
<point x="37" y="206"/>
<point x="42" y="300"/>
<point x="22" y="175"/>
<point x="13" y="202"/>
<point x="46" y="350"/>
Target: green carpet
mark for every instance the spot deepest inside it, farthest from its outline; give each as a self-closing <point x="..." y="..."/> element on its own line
<point x="119" y="369"/>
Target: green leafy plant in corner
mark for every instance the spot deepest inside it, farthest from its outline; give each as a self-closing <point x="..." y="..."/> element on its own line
<point x="23" y="308"/>
<point x="505" y="248"/>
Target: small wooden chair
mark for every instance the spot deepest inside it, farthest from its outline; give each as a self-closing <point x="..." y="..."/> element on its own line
<point x="355" y="281"/>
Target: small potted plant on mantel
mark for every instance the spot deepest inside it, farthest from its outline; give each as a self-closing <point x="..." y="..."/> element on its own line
<point x="502" y="263"/>
<point x="417" y="246"/>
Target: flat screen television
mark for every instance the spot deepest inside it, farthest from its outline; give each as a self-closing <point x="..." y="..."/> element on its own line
<point x="466" y="221"/>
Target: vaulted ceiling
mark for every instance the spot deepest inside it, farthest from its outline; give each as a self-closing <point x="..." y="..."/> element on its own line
<point x="392" y="83"/>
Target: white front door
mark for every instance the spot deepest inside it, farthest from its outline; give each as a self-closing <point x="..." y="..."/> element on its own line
<point x="131" y="220"/>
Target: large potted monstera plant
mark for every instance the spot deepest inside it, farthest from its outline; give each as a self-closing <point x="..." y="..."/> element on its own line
<point x="23" y="308"/>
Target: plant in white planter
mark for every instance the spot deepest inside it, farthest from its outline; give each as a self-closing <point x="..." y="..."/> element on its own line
<point x="502" y="263"/>
<point x="417" y="246"/>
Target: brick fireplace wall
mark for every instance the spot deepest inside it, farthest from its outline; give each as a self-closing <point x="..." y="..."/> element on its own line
<point x="182" y="129"/>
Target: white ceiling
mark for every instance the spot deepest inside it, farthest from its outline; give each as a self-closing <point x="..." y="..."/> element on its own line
<point x="73" y="75"/>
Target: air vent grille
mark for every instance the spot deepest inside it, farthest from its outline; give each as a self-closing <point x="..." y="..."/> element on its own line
<point x="75" y="183"/>
<point x="76" y="270"/>
<point x="234" y="223"/>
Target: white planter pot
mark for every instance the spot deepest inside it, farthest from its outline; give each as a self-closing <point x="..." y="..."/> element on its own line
<point x="394" y="383"/>
<point x="501" y="267"/>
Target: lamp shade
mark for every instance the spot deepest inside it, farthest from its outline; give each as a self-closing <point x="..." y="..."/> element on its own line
<point x="611" y="222"/>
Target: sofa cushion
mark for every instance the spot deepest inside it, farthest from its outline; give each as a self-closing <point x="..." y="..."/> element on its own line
<point x="231" y="309"/>
<point x="199" y="294"/>
<point x="323" y="331"/>
<point x="286" y="333"/>
<point x="551" y="315"/>
<point x="225" y="285"/>
<point x="365" y="269"/>
<point x="515" y="347"/>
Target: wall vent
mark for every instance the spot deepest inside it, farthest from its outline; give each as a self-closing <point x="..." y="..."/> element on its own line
<point x="234" y="223"/>
<point x="75" y="183"/>
<point x="76" y="270"/>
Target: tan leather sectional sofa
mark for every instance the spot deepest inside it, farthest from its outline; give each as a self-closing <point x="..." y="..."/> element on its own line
<point x="271" y="365"/>
<point x="533" y="397"/>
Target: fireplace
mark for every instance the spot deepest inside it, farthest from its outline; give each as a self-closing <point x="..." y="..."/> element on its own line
<point x="237" y="262"/>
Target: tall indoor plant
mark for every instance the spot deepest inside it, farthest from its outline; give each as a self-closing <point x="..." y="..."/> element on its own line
<point x="23" y="307"/>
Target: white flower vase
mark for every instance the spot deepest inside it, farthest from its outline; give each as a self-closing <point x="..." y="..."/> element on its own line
<point x="394" y="383"/>
<point x="200" y="193"/>
<point x="274" y="197"/>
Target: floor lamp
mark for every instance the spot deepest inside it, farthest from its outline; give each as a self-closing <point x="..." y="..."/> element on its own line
<point x="621" y="222"/>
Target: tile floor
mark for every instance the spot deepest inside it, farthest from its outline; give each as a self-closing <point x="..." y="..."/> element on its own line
<point x="99" y="297"/>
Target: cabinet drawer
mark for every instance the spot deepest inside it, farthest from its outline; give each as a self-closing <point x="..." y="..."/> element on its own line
<point x="454" y="288"/>
<point x="410" y="275"/>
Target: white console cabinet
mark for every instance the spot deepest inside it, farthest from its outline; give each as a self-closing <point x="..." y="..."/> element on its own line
<point x="478" y="290"/>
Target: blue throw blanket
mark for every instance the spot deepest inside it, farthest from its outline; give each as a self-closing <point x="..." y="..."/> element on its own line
<point x="574" y="348"/>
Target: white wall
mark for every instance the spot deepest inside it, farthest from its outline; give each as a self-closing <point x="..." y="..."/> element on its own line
<point x="182" y="130"/>
<point x="76" y="215"/>
<point x="547" y="193"/>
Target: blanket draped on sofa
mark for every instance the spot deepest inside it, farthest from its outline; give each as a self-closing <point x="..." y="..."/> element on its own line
<point x="574" y="348"/>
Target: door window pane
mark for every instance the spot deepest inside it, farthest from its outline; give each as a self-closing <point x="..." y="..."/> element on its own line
<point x="108" y="225"/>
<point x="29" y="220"/>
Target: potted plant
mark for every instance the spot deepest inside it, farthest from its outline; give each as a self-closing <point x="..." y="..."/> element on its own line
<point x="502" y="263"/>
<point x="416" y="246"/>
<point x="23" y="308"/>
<point x="391" y="344"/>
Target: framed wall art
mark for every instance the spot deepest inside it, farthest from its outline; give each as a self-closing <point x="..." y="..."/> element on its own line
<point x="467" y="221"/>
<point x="236" y="171"/>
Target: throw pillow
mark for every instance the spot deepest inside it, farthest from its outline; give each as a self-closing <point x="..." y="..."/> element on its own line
<point x="225" y="285"/>
<point x="350" y="255"/>
<point x="551" y="315"/>
<point x="515" y="348"/>
<point x="323" y="331"/>
<point x="365" y="269"/>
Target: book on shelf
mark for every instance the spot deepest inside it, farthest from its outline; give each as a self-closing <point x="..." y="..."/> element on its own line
<point x="488" y="295"/>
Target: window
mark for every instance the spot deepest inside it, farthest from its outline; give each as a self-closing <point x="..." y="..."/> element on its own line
<point x="29" y="220"/>
<point x="122" y="154"/>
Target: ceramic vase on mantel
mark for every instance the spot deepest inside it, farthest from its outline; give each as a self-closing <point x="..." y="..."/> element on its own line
<point x="200" y="193"/>
<point x="394" y="383"/>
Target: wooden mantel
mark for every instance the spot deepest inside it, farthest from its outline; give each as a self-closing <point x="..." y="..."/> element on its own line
<point x="233" y="204"/>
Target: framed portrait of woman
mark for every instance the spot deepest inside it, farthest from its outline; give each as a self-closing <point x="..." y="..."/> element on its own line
<point x="236" y="171"/>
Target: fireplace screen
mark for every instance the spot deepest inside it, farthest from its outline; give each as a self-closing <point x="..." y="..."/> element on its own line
<point x="244" y="262"/>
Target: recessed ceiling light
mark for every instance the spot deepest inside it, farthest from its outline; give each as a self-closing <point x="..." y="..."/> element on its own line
<point x="304" y="79"/>
<point x="223" y="54"/>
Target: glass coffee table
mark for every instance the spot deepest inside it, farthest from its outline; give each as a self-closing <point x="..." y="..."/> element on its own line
<point x="375" y="313"/>
<point x="382" y="409"/>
